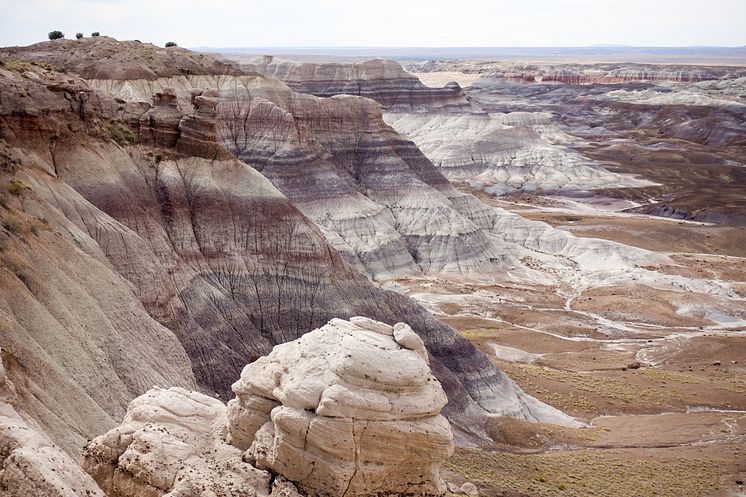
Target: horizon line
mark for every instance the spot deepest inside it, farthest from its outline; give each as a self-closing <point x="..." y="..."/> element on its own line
<point x="370" y="47"/>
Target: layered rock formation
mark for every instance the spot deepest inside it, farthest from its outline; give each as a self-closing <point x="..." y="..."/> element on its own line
<point x="191" y="134"/>
<point x="516" y="151"/>
<point x="384" y="81"/>
<point x="377" y="199"/>
<point x="178" y="269"/>
<point x="582" y="74"/>
<point x="505" y="152"/>
<point x="350" y="409"/>
<point x="80" y="341"/>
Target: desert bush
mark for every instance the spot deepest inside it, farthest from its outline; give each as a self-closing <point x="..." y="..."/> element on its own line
<point x="18" y="66"/>
<point x="56" y="35"/>
<point x="16" y="187"/>
<point x="171" y="44"/>
<point x="120" y="135"/>
<point x="95" y="34"/>
<point x="16" y="265"/>
<point x="13" y="225"/>
<point x="78" y="36"/>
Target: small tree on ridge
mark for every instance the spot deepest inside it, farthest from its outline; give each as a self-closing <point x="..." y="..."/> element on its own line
<point x="56" y="35"/>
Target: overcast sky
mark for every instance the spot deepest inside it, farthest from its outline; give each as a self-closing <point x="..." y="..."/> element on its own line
<point x="383" y="23"/>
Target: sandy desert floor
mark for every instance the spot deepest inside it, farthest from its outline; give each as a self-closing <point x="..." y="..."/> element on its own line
<point x="663" y="394"/>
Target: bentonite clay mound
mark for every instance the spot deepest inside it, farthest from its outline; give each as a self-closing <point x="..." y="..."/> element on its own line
<point x="350" y="409"/>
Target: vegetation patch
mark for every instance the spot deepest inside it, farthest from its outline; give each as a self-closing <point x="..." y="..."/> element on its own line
<point x="556" y="387"/>
<point x="586" y="472"/>
<point x="16" y="187"/>
<point x="661" y="375"/>
<point x="121" y="135"/>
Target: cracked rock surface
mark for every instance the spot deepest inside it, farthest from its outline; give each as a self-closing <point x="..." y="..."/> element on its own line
<point x="170" y="444"/>
<point x="349" y="409"/>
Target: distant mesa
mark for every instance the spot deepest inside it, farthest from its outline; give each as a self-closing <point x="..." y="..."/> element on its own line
<point x="384" y="81"/>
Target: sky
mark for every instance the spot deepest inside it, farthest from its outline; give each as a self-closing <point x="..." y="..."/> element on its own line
<point x="383" y="23"/>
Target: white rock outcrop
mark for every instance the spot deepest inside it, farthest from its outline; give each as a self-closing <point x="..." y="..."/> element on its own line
<point x="348" y="409"/>
<point x="171" y="444"/>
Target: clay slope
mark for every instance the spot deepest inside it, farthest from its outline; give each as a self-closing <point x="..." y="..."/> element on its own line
<point x="384" y="81"/>
<point x="152" y="266"/>
<point x="377" y="199"/>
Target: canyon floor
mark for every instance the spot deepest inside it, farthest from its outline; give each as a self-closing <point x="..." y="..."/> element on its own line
<point x="675" y="426"/>
<point x="662" y="391"/>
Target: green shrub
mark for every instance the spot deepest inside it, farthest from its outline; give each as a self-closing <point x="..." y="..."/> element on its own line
<point x="121" y="135"/>
<point x="15" y="187"/>
<point x="171" y="44"/>
<point x="56" y="35"/>
<point x="78" y="36"/>
<point x="95" y="34"/>
<point x="18" y="66"/>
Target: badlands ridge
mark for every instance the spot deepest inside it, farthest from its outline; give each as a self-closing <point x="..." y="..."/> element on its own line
<point x="174" y="220"/>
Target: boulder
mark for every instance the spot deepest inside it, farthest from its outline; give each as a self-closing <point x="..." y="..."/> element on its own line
<point x="349" y="409"/>
<point x="171" y="443"/>
<point x="469" y="489"/>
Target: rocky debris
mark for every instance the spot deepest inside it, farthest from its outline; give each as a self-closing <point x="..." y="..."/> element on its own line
<point x="348" y="409"/>
<point x="469" y="489"/>
<point x="384" y="81"/>
<point x="30" y="464"/>
<point x="170" y="443"/>
<point x="282" y="487"/>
